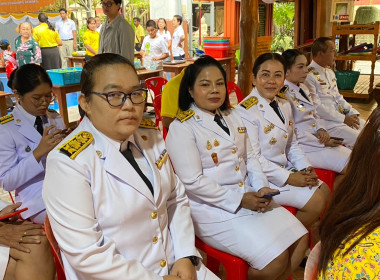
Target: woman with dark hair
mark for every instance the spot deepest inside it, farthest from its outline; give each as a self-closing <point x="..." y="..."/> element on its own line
<point x="165" y="34"/>
<point x="350" y="229"/>
<point x="48" y="40"/>
<point x="27" y="136"/>
<point x="321" y="150"/>
<point x="116" y="208"/>
<point x="229" y="195"/>
<point x="268" y="117"/>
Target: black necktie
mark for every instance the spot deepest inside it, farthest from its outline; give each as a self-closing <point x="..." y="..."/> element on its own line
<point x="131" y="159"/>
<point x="38" y="125"/>
<point x="304" y="94"/>
<point x="275" y="107"/>
<point x="217" y="119"/>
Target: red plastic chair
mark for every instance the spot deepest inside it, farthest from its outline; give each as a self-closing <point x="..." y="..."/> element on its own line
<point x="232" y="87"/>
<point x="235" y="267"/>
<point x="55" y="250"/>
<point x="155" y="84"/>
<point x="327" y="176"/>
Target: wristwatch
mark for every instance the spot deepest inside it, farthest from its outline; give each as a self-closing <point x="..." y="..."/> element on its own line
<point x="194" y="260"/>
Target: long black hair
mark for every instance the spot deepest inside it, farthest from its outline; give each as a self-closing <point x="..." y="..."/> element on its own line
<point x="191" y="73"/>
<point x="44" y="19"/>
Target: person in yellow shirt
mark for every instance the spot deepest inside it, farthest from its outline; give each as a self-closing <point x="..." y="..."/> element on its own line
<point x="139" y="33"/>
<point x="48" y="40"/>
<point x="169" y="101"/>
<point x="91" y="39"/>
<point x="350" y="229"/>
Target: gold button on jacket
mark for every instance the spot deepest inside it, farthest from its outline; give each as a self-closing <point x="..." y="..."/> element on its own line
<point x="162" y="263"/>
<point x="154" y="215"/>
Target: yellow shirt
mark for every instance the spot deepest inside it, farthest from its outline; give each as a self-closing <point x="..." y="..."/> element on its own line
<point x="362" y="262"/>
<point x="91" y="38"/>
<point x="45" y="37"/>
<point x="169" y="99"/>
<point x="139" y="33"/>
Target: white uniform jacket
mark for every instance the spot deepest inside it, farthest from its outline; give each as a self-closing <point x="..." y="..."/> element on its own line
<point x="19" y="169"/>
<point x="203" y="154"/>
<point x="306" y="119"/>
<point x="330" y="104"/>
<point x="273" y="142"/>
<point x="105" y="219"/>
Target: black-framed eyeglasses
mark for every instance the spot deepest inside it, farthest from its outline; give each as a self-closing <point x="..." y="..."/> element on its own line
<point x="107" y="4"/>
<point x="117" y="98"/>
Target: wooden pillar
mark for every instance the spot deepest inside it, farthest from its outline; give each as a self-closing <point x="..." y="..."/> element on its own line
<point x="324" y="25"/>
<point x="249" y="28"/>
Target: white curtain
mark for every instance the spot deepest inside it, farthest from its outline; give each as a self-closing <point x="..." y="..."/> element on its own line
<point x="33" y="18"/>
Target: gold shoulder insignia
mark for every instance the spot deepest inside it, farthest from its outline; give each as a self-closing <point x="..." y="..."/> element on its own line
<point x="6" y="118"/>
<point x="310" y="70"/>
<point x="183" y="116"/>
<point x="282" y="92"/>
<point x="75" y="145"/>
<point x="148" y="123"/>
<point x="248" y="103"/>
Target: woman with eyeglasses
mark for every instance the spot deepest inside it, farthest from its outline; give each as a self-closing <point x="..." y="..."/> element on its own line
<point x="116" y="207"/>
<point x="27" y="136"/>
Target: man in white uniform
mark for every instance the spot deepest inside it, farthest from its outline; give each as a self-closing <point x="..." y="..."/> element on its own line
<point x="337" y="115"/>
<point x="68" y="33"/>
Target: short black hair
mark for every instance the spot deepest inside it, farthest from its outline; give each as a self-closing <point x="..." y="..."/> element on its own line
<point x="151" y="23"/>
<point x="319" y="45"/>
<point x="179" y="18"/>
<point x="188" y="80"/>
<point x="63" y="9"/>
<point x="265" y="57"/>
<point x="136" y="18"/>
<point x="100" y="60"/>
<point x="4" y="45"/>
<point x="290" y="57"/>
<point x="26" y="78"/>
<point x="117" y="2"/>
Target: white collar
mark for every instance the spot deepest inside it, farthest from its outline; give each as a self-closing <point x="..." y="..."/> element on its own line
<point x="29" y="117"/>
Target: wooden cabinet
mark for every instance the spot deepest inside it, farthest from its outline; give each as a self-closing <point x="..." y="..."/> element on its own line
<point x="355" y="29"/>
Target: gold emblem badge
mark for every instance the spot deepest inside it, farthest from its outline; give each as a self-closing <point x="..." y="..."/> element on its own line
<point x="214" y="157"/>
<point x="216" y="143"/>
<point x="340" y="108"/>
<point x="242" y="129"/>
<point x="99" y="153"/>
<point x="208" y="146"/>
<point x="144" y="137"/>
<point x="18" y="121"/>
<point x="273" y="141"/>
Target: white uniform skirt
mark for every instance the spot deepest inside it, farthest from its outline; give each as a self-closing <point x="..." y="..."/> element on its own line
<point x="334" y="158"/>
<point x="257" y="238"/>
